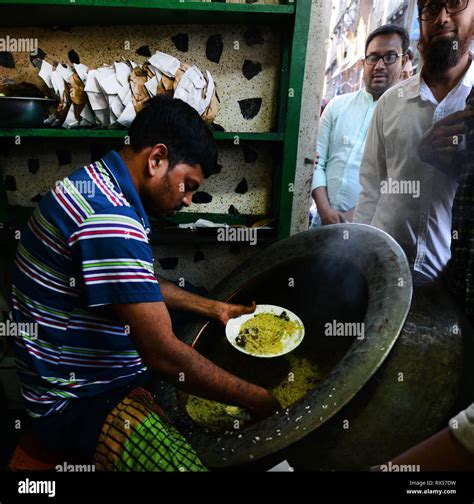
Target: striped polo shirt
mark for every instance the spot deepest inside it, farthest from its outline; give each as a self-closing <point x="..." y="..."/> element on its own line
<point x="85" y="247"/>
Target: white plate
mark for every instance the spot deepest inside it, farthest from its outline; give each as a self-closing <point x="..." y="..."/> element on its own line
<point x="290" y="342"/>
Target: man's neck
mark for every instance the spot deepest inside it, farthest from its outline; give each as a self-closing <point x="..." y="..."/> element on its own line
<point x="133" y="164"/>
<point x="374" y="96"/>
<point x="441" y="84"/>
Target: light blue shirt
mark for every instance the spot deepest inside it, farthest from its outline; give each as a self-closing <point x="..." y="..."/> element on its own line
<point x="341" y="141"/>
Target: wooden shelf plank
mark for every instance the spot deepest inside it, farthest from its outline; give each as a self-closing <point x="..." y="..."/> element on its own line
<point x="20" y="214"/>
<point x="174" y="237"/>
<point x="161" y="234"/>
<point x="114" y="12"/>
<point x="162" y="5"/>
<point x="209" y="237"/>
<point x="121" y="133"/>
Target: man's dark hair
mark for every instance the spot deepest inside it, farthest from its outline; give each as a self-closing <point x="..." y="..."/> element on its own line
<point x="179" y="126"/>
<point x="410" y="54"/>
<point x="421" y="4"/>
<point x="390" y="29"/>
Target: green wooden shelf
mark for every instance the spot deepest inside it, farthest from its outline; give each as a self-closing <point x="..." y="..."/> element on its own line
<point x="209" y="237"/>
<point x="173" y="235"/>
<point x="165" y="230"/>
<point x="116" y="12"/>
<point x="258" y="137"/>
<point x="170" y="237"/>
<point x="20" y="214"/>
<point x="231" y="219"/>
<point x="182" y="5"/>
<point x="290" y="20"/>
<point x="121" y="133"/>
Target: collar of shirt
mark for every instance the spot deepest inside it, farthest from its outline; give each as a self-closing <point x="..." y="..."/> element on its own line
<point x="418" y="88"/>
<point x="120" y="173"/>
<point x="367" y="95"/>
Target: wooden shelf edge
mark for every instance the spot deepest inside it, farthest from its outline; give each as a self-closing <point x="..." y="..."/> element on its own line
<point x="22" y="215"/>
<point x="164" y="5"/>
<point x="175" y="236"/>
<point x="103" y="133"/>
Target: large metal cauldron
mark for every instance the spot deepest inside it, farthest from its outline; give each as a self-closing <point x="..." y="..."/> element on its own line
<point x="379" y="395"/>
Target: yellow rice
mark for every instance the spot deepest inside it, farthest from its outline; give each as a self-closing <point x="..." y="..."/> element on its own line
<point x="264" y="333"/>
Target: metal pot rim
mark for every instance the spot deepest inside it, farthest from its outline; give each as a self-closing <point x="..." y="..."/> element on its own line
<point x="362" y="360"/>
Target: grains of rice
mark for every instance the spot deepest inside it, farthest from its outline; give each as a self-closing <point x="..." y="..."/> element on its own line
<point x="264" y="333"/>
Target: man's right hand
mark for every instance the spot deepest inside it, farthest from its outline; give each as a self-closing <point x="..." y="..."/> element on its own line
<point x="330" y="216"/>
<point x="151" y="331"/>
<point x="266" y="405"/>
<point x="440" y="143"/>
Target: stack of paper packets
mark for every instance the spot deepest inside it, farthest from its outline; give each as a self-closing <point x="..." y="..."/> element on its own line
<point x="111" y="96"/>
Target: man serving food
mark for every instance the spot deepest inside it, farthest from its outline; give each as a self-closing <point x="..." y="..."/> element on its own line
<point x="84" y="274"/>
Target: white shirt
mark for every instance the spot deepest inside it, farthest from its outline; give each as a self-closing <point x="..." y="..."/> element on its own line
<point x="405" y="197"/>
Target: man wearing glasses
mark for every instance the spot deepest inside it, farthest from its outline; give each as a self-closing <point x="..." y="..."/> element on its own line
<point x="401" y="194"/>
<point x="344" y="125"/>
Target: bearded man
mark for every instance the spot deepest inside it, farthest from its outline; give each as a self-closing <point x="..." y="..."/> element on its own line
<point x="401" y="194"/>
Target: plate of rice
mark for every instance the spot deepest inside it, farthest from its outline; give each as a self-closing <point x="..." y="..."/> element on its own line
<point x="270" y="331"/>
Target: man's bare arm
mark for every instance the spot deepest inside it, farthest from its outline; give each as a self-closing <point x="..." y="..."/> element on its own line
<point x="180" y="299"/>
<point x="152" y="334"/>
<point x="441" y="452"/>
<point x="329" y="215"/>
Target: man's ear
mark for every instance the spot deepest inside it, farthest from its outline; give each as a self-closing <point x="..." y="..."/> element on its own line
<point x="158" y="154"/>
<point x="404" y="62"/>
<point x="419" y="44"/>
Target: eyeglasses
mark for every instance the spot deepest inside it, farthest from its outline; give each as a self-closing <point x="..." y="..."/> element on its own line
<point x="432" y="9"/>
<point x="388" y="59"/>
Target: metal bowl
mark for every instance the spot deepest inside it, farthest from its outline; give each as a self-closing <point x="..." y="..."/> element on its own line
<point x="349" y="273"/>
<point x="23" y="112"/>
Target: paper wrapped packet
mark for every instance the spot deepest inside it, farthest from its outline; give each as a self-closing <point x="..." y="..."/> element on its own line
<point x="67" y="85"/>
<point x="112" y="95"/>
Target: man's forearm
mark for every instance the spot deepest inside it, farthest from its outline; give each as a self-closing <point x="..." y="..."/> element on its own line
<point x="190" y="371"/>
<point x="320" y="196"/>
<point x="441" y="452"/>
<point x="161" y="352"/>
<point x="180" y="299"/>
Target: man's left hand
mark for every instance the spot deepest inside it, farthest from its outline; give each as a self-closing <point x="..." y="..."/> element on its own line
<point x="347" y="216"/>
<point x="227" y="311"/>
